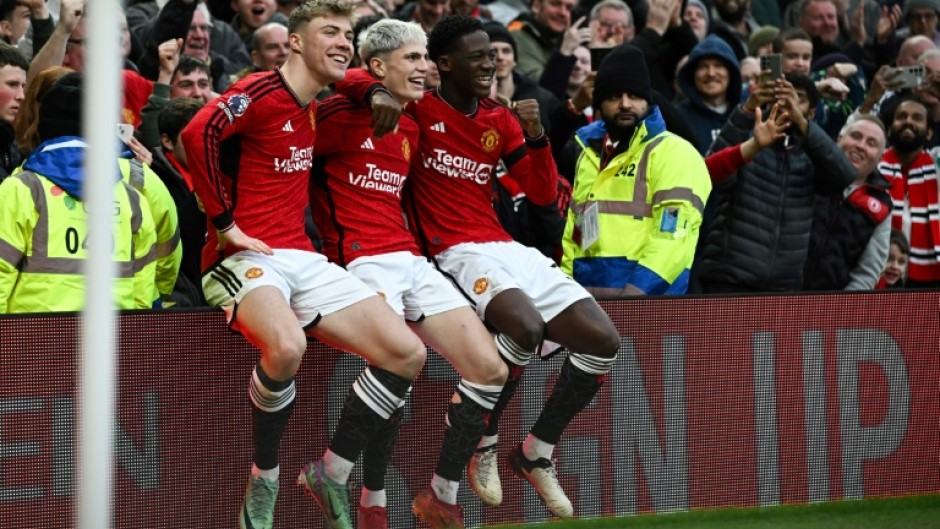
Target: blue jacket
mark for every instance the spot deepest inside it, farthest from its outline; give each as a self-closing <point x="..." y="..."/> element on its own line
<point x="705" y="122"/>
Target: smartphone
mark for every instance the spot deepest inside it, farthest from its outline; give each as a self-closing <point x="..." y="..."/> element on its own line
<point x="774" y="63"/>
<point x="125" y="132"/>
<point x="597" y="55"/>
<point x="909" y="76"/>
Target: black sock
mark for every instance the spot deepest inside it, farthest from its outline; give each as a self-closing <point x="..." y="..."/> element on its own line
<point x="467" y="420"/>
<point x="269" y="416"/>
<point x="509" y="389"/>
<point x="378" y="453"/>
<point x="360" y="420"/>
<point x="572" y="393"/>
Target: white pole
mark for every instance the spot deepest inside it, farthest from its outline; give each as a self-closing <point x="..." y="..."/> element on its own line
<point x="102" y="102"/>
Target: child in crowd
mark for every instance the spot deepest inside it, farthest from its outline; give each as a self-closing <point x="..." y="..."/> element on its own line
<point x="896" y="268"/>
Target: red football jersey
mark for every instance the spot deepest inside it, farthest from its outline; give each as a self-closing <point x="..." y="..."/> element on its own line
<point x="249" y="152"/>
<point x="452" y="176"/>
<point x="451" y="180"/>
<point x="355" y="196"/>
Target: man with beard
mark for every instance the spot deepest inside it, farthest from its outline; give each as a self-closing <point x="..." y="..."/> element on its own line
<point x="639" y="191"/>
<point x="734" y="24"/>
<point x="760" y="236"/>
<point x="848" y="247"/>
<point x="913" y="177"/>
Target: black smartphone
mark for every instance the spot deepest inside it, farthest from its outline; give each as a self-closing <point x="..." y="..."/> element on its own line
<point x="597" y="55"/>
<point x="774" y="63"/>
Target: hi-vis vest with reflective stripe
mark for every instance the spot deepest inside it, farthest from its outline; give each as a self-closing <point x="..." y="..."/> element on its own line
<point x="44" y="242"/>
<point x="650" y="200"/>
<point x="169" y="250"/>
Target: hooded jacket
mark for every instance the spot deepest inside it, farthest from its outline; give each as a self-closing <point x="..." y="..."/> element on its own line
<point x="44" y="235"/>
<point x="705" y="121"/>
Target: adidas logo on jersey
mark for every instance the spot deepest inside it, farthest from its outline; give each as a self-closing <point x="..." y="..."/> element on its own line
<point x="438" y="127"/>
<point x="287" y="127"/>
<point x="367" y="144"/>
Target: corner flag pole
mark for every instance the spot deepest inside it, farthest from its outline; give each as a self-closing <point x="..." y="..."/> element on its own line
<point x="101" y="102"/>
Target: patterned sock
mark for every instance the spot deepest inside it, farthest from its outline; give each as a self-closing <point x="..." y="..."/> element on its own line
<point x="272" y="405"/>
<point x="466" y="421"/>
<point x="378" y="453"/>
<point x="572" y="393"/>
<point x="373" y="399"/>
<point x="516" y="358"/>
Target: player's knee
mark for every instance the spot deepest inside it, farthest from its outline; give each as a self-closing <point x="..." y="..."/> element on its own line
<point x="287" y="350"/>
<point x="490" y="371"/>
<point x="608" y="343"/>
<point x="410" y="356"/>
<point x="527" y="334"/>
<point x="498" y="373"/>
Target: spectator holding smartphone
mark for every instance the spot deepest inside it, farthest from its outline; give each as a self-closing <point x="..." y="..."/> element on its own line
<point x="760" y="236"/>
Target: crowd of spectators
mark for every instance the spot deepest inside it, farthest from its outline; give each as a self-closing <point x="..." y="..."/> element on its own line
<point x="846" y="199"/>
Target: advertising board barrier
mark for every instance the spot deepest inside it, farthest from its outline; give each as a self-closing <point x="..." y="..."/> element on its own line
<point x="732" y="401"/>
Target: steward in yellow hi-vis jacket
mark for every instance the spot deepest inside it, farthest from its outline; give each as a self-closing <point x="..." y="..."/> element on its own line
<point x="639" y="191"/>
<point x="43" y="223"/>
<point x="43" y="236"/>
<point x="169" y="250"/>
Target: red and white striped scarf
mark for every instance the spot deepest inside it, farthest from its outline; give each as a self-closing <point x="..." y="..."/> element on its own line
<point x="918" y="187"/>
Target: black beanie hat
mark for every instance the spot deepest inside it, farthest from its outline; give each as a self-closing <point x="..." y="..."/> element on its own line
<point x="60" y="110"/>
<point x="499" y="33"/>
<point x="622" y="70"/>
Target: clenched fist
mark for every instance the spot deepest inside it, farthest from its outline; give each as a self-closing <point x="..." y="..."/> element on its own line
<point x="527" y="110"/>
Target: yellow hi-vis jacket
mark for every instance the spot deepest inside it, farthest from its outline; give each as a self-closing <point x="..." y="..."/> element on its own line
<point x="43" y="247"/>
<point x="649" y="200"/>
<point x="165" y="219"/>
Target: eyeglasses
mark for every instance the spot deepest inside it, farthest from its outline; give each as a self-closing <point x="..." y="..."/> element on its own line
<point x="608" y="24"/>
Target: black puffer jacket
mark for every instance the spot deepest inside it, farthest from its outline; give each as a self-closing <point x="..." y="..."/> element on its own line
<point x="843" y="228"/>
<point x="760" y="236"/>
<point x="10" y="155"/>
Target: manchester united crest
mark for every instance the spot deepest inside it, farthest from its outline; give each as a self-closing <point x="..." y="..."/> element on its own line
<point x="480" y="286"/>
<point x="406" y="149"/>
<point x="254" y="272"/>
<point x="489" y="140"/>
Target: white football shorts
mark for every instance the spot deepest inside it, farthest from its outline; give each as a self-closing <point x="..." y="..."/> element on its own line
<point x="482" y="270"/>
<point x="311" y="285"/>
<point x="409" y="283"/>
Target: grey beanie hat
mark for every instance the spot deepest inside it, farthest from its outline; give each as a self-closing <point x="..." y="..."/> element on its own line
<point x="910" y="5"/>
